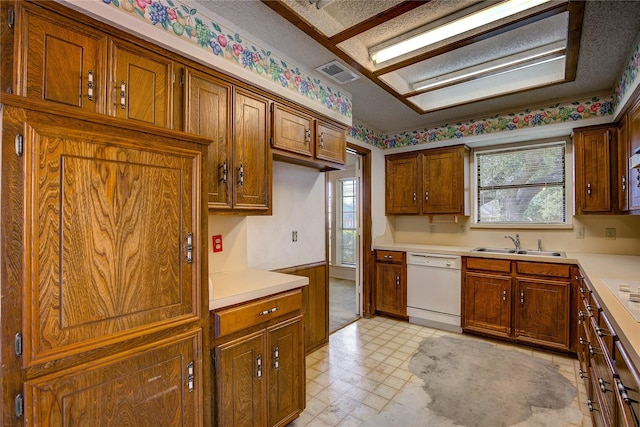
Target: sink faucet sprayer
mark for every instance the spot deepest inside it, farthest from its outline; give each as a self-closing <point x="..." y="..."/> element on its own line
<point x="515" y="241"/>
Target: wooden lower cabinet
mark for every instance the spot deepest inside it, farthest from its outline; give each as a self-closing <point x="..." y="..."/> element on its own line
<point x="542" y="311"/>
<point x="488" y="303"/>
<point x="315" y="303"/>
<point x="611" y="379"/>
<point x="259" y="366"/>
<point x="149" y="387"/>
<point x="391" y="283"/>
<point x="522" y="301"/>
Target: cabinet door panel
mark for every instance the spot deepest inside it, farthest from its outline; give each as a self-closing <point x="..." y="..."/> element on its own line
<point x="100" y="268"/>
<point x="252" y="163"/>
<point x="241" y="383"/>
<point x="390" y="289"/>
<point x="634" y="146"/>
<point x="57" y="58"/>
<point x="441" y="177"/>
<point x="149" y="387"/>
<point x="146" y="81"/>
<point x="292" y="131"/>
<point x="487" y="305"/>
<point x="593" y="166"/>
<point x="331" y="143"/>
<point x="402" y="186"/>
<point x="542" y="310"/>
<point x="208" y="114"/>
<point x="286" y="371"/>
<point x="624" y="152"/>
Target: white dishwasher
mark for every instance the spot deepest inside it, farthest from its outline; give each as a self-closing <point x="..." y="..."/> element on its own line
<point x="434" y="290"/>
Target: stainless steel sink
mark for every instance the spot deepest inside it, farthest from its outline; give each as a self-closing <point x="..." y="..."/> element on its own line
<point x="495" y="250"/>
<point x="542" y="253"/>
<point x="530" y="252"/>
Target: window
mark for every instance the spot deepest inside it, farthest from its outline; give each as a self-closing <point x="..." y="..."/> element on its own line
<point x="346" y="245"/>
<point x="524" y="185"/>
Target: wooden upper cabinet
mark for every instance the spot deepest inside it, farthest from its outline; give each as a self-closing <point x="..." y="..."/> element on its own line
<point x="633" y="124"/>
<point x="302" y="138"/>
<point x="60" y="60"/>
<point x="208" y="108"/>
<point x="141" y="85"/>
<point x="251" y="153"/>
<point x="592" y="151"/>
<point x="430" y="182"/>
<point x="442" y="182"/>
<point x="623" y="152"/>
<point x="108" y="228"/>
<point x="331" y="142"/>
<point x="292" y="130"/>
<point x="402" y="186"/>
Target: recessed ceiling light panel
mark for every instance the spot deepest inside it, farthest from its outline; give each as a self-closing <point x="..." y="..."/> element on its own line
<point x="404" y="45"/>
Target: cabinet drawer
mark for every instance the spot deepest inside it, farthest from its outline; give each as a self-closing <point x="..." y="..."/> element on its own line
<point x="389" y="256"/>
<point x="495" y="265"/>
<point x="227" y="321"/>
<point x="543" y="269"/>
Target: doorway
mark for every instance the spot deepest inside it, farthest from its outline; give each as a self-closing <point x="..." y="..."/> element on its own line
<point x="344" y="219"/>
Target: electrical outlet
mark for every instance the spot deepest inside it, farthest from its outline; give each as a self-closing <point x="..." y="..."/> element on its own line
<point x="463" y="230"/>
<point x="610" y="233"/>
<point x="579" y="232"/>
<point x="432" y="228"/>
<point x="217" y="243"/>
<point x="294" y="236"/>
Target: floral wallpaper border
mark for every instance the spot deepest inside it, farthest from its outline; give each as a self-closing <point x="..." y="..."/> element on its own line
<point x="190" y="24"/>
<point x="558" y="113"/>
<point x="629" y="75"/>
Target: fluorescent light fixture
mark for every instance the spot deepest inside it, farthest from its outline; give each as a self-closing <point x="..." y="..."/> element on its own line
<point x="537" y="55"/>
<point x="454" y="28"/>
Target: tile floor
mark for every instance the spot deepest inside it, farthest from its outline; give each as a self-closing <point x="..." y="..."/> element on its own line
<point x="363" y="372"/>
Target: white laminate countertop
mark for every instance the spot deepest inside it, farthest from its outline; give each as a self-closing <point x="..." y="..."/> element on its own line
<point x="597" y="268"/>
<point x="237" y="286"/>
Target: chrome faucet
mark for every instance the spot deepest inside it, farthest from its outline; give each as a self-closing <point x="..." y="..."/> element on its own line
<point x="515" y="241"/>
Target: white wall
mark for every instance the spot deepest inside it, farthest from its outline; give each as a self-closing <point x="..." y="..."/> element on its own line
<point x="264" y="242"/>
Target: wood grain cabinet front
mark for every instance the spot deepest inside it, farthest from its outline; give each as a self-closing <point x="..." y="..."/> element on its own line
<point x="298" y="136"/>
<point x="522" y="301"/>
<point x="109" y="308"/>
<point x="259" y="365"/>
<point x="611" y="379"/>
<point x="66" y="62"/>
<point x="428" y="182"/>
<point x="59" y="60"/>
<point x="391" y="283"/>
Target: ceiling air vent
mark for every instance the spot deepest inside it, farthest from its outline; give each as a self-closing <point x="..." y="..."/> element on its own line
<point x="337" y="72"/>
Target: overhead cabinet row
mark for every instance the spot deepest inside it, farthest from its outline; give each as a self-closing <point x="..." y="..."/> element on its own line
<point x="60" y="60"/>
<point x="604" y="181"/>
<point x="431" y="182"/>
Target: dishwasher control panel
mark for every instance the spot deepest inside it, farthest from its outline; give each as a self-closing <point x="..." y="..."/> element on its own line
<point x="434" y="260"/>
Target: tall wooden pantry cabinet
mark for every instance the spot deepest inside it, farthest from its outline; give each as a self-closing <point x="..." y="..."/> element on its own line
<point x="103" y="313"/>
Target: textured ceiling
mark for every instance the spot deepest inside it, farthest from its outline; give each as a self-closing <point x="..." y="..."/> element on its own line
<point x="609" y="33"/>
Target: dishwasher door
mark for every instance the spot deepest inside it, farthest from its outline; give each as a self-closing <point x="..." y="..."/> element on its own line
<point x="434" y="290"/>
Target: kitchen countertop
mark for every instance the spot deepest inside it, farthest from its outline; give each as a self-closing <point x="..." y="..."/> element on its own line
<point x="597" y="268"/>
<point x="237" y="286"/>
